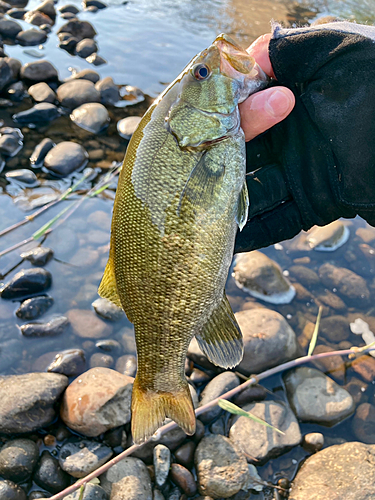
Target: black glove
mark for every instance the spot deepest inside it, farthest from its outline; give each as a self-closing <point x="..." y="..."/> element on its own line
<point x="319" y="163"/>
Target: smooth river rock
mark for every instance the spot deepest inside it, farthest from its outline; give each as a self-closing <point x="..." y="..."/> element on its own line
<point x="18" y="458"/>
<point x="91" y="116"/>
<point x="27" y="282"/>
<point x="34" y="308"/>
<point x="42" y="92"/>
<point x="86" y="324"/>
<point x="127" y="480"/>
<point x="65" y="158"/>
<point x="91" y="492"/>
<point x="77" y="92"/>
<point x="39" y="71"/>
<point x="80" y="457"/>
<point x="348" y="284"/>
<point x="218" y="386"/>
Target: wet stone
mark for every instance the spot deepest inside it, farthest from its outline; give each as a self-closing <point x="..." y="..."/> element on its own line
<point x="10" y="141"/>
<point x="65" y="158"/>
<point x="347" y="283"/>
<point x="127" y="480"/>
<point x="127" y="365"/>
<point x="67" y="16"/>
<point x="9" y="28"/>
<point x="16" y="13"/>
<point x="335" y="328"/>
<point x="39" y="71"/>
<point x="34" y="308"/>
<point x="23" y="176"/>
<point x="162" y="463"/>
<point x="127" y="126"/>
<point x="86" y="74"/>
<point x="94" y="3"/>
<point x="95" y="59"/>
<point x="304" y="275"/>
<point x="16" y="91"/>
<point x="27" y="282"/>
<point x="184" y="455"/>
<point x="260" y="443"/>
<point x="199" y="376"/>
<point x="74" y="93"/>
<point x="49" y="475"/>
<point x="91" y="492"/>
<point x="86" y="324"/>
<point x="36" y="494"/>
<point x="328" y="238"/>
<point x="314" y="441"/>
<point x="69" y="8"/>
<point x="38" y="256"/>
<point x="48" y="8"/>
<point x="109" y="345"/>
<point x="364" y="366"/>
<point x="107" y="309"/>
<point x="37" y="18"/>
<point x="11" y="491"/>
<point x="79" y="29"/>
<point x="18" y="459"/>
<point x="79" y="458"/>
<point x="92" y="117"/>
<point x="99" y="359"/>
<point x="55" y="326"/>
<point x="28" y="400"/>
<point x="4" y="8"/>
<point x="31" y="37"/>
<point x="218" y="386"/>
<point x="70" y="362"/>
<point x="109" y="93"/>
<point x="363" y="423"/>
<point x="250" y="394"/>
<point x="184" y="479"/>
<point x="40" y="114"/>
<point x="86" y="47"/>
<point x="40" y="151"/>
<point x="42" y="92"/>
<point x="334" y="366"/>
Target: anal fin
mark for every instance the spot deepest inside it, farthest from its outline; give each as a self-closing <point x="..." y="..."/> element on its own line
<point x="107" y="288"/>
<point x="221" y="337"/>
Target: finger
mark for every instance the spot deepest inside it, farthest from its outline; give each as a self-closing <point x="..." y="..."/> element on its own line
<point x="259" y="50"/>
<point x="264" y="109"/>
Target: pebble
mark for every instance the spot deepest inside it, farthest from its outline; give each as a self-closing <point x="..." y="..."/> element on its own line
<point x="18" y="458"/>
<point x="80" y="457"/>
<point x="328" y="238"/>
<point x="127" y="365"/>
<point x="49" y="475"/>
<point x="9" y="28"/>
<point x="260" y="443"/>
<point x="48" y="8"/>
<point x="363" y="423"/>
<point x="40" y="151"/>
<point x="5" y="73"/>
<point x="96" y="60"/>
<point x="65" y="158"/>
<point x="347" y="283"/>
<point x="357" y="389"/>
<point x="268" y="340"/>
<point x="219" y="385"/>
<point x="109" y="93"/>
<point x="69" y="8"/>
<point x="69" y="44"/>
<point x="364" y="366"/>
<point x="304" y="275"/>
<point x="96" y="401"/>
<point x="91" y="492"/>
<point x="184" y="455"/>
<point x="127" y="126"/>
<point x="198" y="376"/>
<point x="39" y="115"/>
<point x="38" y="256"/>
<point x="39" y="71"/>
<point x="27" y="401"/>
<point x="109" y="345"/>
<point x="107" y="309"/>
<point x="315" y="397"/>
<point x="70" y="362"/>
<point x="67" y="16"/>
<point x="344" y="471"/>
<point x="332" y="300"/>
<point x="313" y="441"/>
<point x="92" y="117"/>
<point x="79" y="29"/>
<point x="37" y="18"/>
<point x="99" y="359"/>
<point x="31" y="37"/>
<point x="86" y="47"/>
<point x="94" y="3"/>
<point x="74" y="93"/>
<point x="55" y="326"/>
<point x="17" y="91"/>
<point x="131" y="95"/>
<point x="11" y="491"/>
<point x="86" y="74"/>
<point x="42" y="92"/>
<point x="262" y="278"/>
<point x="127" y="480"/>
<point x="22" y="176"/>
<point x="36" y="494"/>
<point x="333" y="365"/>
<point x="184" y="479"/>
<point x="34" y="308"/>
<point x="16" y="13"/>
<point x="10" y="141"/>
<point x="221" y="468"/>
<point x="27" y="282"/>
<point x="114" y="437"/>
<point x="162" y="464"/>
<point x="86" y="324"/>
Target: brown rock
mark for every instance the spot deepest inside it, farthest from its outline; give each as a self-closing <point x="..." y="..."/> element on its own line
<point x="332" y="300"/>
<point x="184" y="455"/>
<point x="333" y="366"/>
<point x="363" y="423"/>
<point x="304" y="275"/>
<point x="96" y="401"/>
<point x="184" y="479"/>
<point x="364" y="366"/>
<point x="302" y="293"/>
<point x="335" y="328"/>
<point x="86" y="324"/>
<point x="356" y="388"/>
<point x="348" y="284"/>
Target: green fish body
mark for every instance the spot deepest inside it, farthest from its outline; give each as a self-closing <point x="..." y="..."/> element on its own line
<point x="180" y="198"/>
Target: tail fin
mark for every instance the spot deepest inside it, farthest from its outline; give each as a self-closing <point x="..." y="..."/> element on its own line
<point x="150" y="409"/>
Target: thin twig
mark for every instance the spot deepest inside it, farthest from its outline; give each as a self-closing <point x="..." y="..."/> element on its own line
<point x="254" y="379"/>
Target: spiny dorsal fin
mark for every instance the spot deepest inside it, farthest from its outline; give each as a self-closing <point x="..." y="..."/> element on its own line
<point x="107" y="288"/>
<point x="243" y="207"/>
<point x="221" y="338"/>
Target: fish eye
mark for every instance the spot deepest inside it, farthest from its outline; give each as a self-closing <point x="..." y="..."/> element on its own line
<point x="201" y="72"/>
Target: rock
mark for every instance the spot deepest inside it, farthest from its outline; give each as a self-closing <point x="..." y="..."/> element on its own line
<point x="268" y="340"/>
<point x="79" y="29"/>
<point x="184" y="455"/>
<point x="10" y="143"/>
<point x="107" y="309"/>
<point x="37" y="18"/>
<point x="199" y="376"/>
<point x="109" y="93"/>
<point x="314" y="441"/>
<point x="23" y="177"/>
<point x="69" y="44"/>
<point x="92" y="117"/>
<point x="5" y="73"/>
<point x="97" y="401"/>
<point x="91" y="492"/>
<point x="42" y="92"/>
<point x="219" y="385"/>
<point x="162" y="463"/>
<point x="80" y="457"/>
<point x="48" y="8"/>
<point x="335" y="328"/>
<point x="95" y="59"/>
<point x="304" y="275"/>
<point x="127" y="365"/>
<point x="55" y="326"/>
<point x="347" y="283"/>
<point x="127" y="126"/>
<point x="260" y="443"/>
<point x="39" y="71"/>
<point x="65" y="158"/>
<point x="86" y="47"/>
<point x="27" y="401"/>
<point x="49" y="475"/>
<point x="11" y="491"/>
<point x="70" y="362"/>
<point x="10" y="353"/>
<point x="86" y="324"/>
<point x="39" y="115"/>
<point x="9" y="28"/>
<point x="40" y="151"/>
<point x="314" y="397"/>
<point x="345" y="471"/>
<point x="34" y="308"/>
<point x="260" y="276"/>
<point x="4" y="8"/>
<point x="131" y="95"/>
<point x="27" y="282"/>
<point x="86" y="74"/>
<point x="94" y="3"/>
<point x="67" y="16"/>
<point x="250" y="394"/>
<point x="18" y="458"/>
<point x="109" y="345"/>
<point x="77" y="92"/>
<point x="221" y="468"/>
<point x="38" y="256"/>
<point x="68" y="8"/>
<point x="363" y="423"/>
<point x="332" y="300"/>
<point x="357" y="390"/>
<point x="328" y="238"/>
<point x="184" y="479"/>
<point x="333" y="365"/>
<point x="127" y="480"/>
<point x="31" y="37"/>
<point x="99" y="359"/>
<point x="364" y="366"/>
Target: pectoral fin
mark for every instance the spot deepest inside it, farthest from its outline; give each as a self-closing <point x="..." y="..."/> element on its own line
<point x="107" y="288"/>
<point x="243" y="207"/>
<point x="221" y="338"/>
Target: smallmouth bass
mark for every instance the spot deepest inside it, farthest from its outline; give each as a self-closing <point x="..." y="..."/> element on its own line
<point x="180" y="198"/>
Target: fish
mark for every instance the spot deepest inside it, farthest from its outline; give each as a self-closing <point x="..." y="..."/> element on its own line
<point x="180" y="198"/>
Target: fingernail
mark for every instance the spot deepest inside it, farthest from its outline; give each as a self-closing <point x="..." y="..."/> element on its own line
<point x="278" y="104"/>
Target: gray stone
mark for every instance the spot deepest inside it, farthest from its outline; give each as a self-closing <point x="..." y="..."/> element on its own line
<point x="109" y="345"/>
<point x="92" y="117"/>
<point x="18" y="458"/>
<point x="260" y="443"/>
<point x="91" y="492"/>
<point x="24" y="177"/>
<point x="219" y="385"/>
<point x="27" y="282"/>
<point x="127" y="480"/>
<point x="127" y="365"/>
<point x="42" y="92"/>
<point x="162" y="463"/>
<point x="86" y="74"/>
<point x="96" y="60"/>
<point x="27" y="401"/>
<point x="313" y="441"/>
<point x="70" y="362"/>
<point x="100" y="359"/>
<point x="79" y="29"/>
<point x="39" y="115"/>
<point x="48" y="8"/>
<point x="9" y="28"/>
<point x="328" y="238"/>
<point x="49" y="475"/>
<point x="65" y="158"/>
<point x="11" y="491"/>
<point x="69" y="8"/>
<point x="315" y="397"/>
<point x="37" y="18"/>
<point x="16" y="91"/>
<point x="109" y="93"/>
<point x="5" y="73"/>
<point x="10" y="141"/>
<point x="79" y="458"/>
<point x="54" y="326"/>
<point x="363" y="423"/>
<point x="77" y="92"/>
<point x="31" y="37"/>
<point x="347" y="283"/>
<point x="14" y="65"/>
<point x="335" y="328"/>
<point x="221" y="468"/>
<point x="268" y="340"/>
<point x="86" y="47"/>
<point x="40" y="151"/>
<point x="38" y="256"/>
<point x="107" y="309"/>
<point x="127" y="126"/>
<point x="304" y="275"/>
<point x="345" y="471"/>
<point x="39" y="71"/>
<point x="34" y="308"/>
<point x="86" y="324"/>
